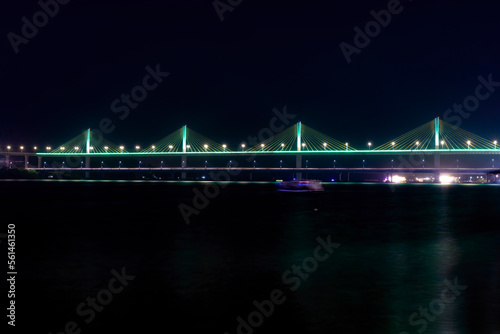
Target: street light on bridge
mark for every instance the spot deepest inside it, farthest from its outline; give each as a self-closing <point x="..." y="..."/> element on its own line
<point x="48" y="148"/>
<point x="262" y="146"/>
<point x="137" y="147"/>
<point x="324" y="145"/>
<point x="62" y="148"/>
<point x="242" y="147"/>
<point x="303" y="145"/>
<point x="224" y="147"/>
<point x="417" y="143"/>
<point x="8" y="148"/>
<point x="22" y="148"/>
<point x="468" y="144"/>
<point x="369" y="145"/>
<point x="106" y="148"/>
<point x="122" y="148"/>
<point x="393" y="143"/>
<point x="442" y="144"/>
<point x="171" y="147"/>
<point x="346" y="146"/>
<point x="282" y="146"/>
<point x="205" y="146"/>
<point x="495" y="142"/>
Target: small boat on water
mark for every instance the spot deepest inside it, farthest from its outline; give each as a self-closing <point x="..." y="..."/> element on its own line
<point x="299" y="185"/>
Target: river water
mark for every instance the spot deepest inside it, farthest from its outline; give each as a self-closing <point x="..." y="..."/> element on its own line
<point x="118" y="257"/>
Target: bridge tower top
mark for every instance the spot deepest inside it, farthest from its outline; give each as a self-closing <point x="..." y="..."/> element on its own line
<point x="87" y="146"/>
<point x="436" y="133"/>
<point x="299" y="135"/>
<point x="184" y="138"/>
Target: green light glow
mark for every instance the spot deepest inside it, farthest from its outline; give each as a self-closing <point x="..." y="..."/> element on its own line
<point x="88" y="141"/>
<point x="184" y="138"/>
<point x="436" y="133"/>
<point x="299" y="135"/>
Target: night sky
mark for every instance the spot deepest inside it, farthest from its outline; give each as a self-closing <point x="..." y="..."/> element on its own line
<point x="227" y="76"/>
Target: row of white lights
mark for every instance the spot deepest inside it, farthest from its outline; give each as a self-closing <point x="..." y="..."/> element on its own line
<point x="417" y="143"/>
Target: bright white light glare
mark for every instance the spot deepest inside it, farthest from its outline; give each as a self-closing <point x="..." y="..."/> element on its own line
<point x="398" y="179"/>
<point x="446" y="179"/>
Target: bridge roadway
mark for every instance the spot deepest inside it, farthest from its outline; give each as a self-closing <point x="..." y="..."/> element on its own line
<point x="278" y="152"/>
<point x="302" y="169"/>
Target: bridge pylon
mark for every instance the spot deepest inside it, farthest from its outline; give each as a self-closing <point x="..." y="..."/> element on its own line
<point x="437" y="157"/>
<point x="184" y="150"/>
<point x="298" y="159"/>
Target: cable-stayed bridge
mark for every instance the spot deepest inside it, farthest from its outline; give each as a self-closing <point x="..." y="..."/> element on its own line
<point x="432" y="139"/>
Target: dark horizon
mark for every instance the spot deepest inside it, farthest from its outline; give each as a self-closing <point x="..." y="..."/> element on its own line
<point x="226" y="77"/>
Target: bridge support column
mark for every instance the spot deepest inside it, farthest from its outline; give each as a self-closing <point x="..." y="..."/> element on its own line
<point x="298" y="164"/>
<point x="39" y="162"/>
<point x="87" y="165"/>
<point x="437" y="164"/>
<point x="183" y="165"/>
<point x="26" y="161"/>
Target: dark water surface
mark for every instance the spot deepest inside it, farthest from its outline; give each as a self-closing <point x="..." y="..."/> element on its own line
<point x="398" y="246"/>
